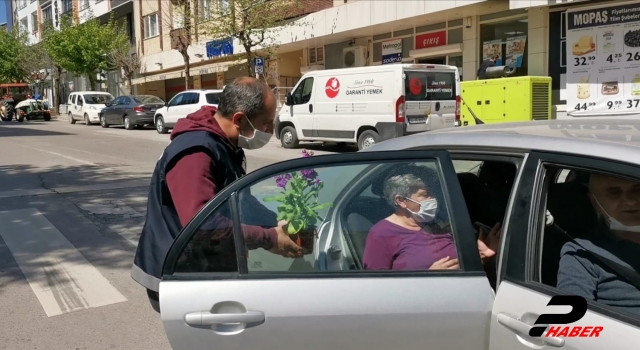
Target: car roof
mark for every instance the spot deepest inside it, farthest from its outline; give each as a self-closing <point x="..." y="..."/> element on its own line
<point x="201" y="90"/>
<point x="616" y="138"/>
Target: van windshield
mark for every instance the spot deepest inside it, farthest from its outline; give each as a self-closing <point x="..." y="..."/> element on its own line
<point x="430" y="86"/>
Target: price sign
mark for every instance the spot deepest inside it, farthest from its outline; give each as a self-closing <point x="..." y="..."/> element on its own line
<point x="603" y="66"/>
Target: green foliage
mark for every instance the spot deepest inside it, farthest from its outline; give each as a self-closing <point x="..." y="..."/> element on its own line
<point x="85" y="48"/>
<point x="299" y="199"/>
<point x="14" y="50"/>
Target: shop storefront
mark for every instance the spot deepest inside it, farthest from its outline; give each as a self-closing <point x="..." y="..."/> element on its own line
<point x="506" y="37"/>
<point x="439" y="43"/>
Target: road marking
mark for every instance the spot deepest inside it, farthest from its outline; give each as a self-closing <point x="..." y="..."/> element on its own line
<point x="61" y="155"/>
<point x="73" y="189"/>
<point x="60" y="277"/>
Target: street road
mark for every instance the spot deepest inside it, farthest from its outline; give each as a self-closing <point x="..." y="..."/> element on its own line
<point x="72" y="204"/>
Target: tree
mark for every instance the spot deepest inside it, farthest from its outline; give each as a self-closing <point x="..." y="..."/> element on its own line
<point x="252" y="22"/>
<point x="83" y="48"/>
<point x="15" y="55"/>
<point x="180" y="19"/>
<point x="122" y="58"/>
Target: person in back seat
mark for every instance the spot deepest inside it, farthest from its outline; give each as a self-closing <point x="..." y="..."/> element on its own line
<point x="616" y="238"/>
<point x="417" y="236"/>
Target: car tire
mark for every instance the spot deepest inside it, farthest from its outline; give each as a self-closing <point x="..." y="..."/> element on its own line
<point x="159" y="124"/>
<point x="86" y="120"/>
<point x="367" y="139"/>
<point x="47" y="118"/>
<point x="127" y="123"/>
<point x="20" y="119"/>
<point x="289" y="138"/>
<point x="71" y="120"/>
<point x="103" y="121"/>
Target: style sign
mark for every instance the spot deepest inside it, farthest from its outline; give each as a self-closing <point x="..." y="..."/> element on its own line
<point x="392" y="51"/>
<point x="425" y="41"/>
<point x="603" y="65"/>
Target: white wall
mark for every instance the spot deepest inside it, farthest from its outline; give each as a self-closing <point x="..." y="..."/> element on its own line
<point x="521" y="4"/>
<point x="26" y="13"/>
<point x="350" y="16"/>
<point x="98" y="9"/>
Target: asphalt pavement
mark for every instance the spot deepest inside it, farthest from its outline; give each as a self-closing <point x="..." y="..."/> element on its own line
<point x="72" y="204"/>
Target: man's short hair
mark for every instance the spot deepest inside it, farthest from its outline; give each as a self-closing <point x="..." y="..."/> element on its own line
<point x="244" y="94"/>
<point x="495" y="56"/>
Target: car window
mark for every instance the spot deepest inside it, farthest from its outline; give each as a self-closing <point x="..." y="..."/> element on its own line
<point x="308" y="198"/>
<point x="116" y="101"/>
<point x="72" y="98"/>
<point x="213" y="98"/>
<point x="190" y="98"/>
<point x="125" y="101"/>
<point x="147" y="99"/>
<point x="93" y="99"/>
<point x="177" y="100"/>
<point x="430" y="86"/>
<point x="467" y="166"/>
<point x="80" y="100"/>
<point x="588" y="237"/>
<point x="302" y="94"/>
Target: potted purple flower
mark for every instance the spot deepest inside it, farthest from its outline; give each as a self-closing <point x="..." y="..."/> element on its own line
<point x="299" y="204"/>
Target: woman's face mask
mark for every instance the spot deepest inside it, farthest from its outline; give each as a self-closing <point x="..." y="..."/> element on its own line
<point x="427" y="212"/>
<point x="258" y="140"/>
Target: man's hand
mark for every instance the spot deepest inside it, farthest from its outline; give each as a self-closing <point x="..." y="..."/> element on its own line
<point x="445" y="264"/>
<point x="489" y="243"/>
<point x="284" y="245"/>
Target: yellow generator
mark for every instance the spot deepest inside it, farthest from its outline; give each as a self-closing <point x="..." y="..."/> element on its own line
<point x="505" y="100"/>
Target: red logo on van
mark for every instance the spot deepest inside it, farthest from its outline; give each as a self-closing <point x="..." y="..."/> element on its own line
<point x="332" y="87"/>
<point x="415" y="86"/>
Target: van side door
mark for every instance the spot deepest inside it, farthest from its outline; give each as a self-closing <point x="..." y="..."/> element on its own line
<point x="302" y="109"/>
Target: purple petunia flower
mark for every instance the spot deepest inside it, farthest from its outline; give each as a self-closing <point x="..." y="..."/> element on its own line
<point x="309" y="174"/>
<point x="281" y="180"/>
<point x="317" y="181"/>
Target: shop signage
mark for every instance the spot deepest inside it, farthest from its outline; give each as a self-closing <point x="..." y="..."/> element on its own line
<point x="603" y="66"/>
<point x="217" y="48"/>
<point x="425" y="41"/>
<point x="392" y="51"/>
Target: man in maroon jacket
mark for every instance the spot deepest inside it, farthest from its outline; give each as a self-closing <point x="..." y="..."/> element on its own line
<point x="205" y="155"/>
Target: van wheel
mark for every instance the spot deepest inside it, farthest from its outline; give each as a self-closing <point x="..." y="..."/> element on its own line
<point x="289" y="138"/>
<point x="367" y="139"/>
<point x="86" y="120"/>
<point x="71" y="120"/>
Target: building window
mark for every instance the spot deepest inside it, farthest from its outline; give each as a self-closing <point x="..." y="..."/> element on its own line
<point x="67" y="6"/>
<point x="509" y="41"/>
<point x="22" y="4"/>
<point x="24" y="24"/>
<point x="47" y="16"/>
<point x="316" y="55"/>
<point x="84" y="4"/>
<point x="204" y="9"/>
<point x="151" y="26"/>
<point x="34" y="22"/>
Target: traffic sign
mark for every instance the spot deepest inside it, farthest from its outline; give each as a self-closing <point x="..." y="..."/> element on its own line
<point x="258" y="62"/>
<point x="259" y="69"/>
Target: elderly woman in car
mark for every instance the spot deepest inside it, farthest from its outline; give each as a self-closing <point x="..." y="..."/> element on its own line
<point x="417" y="236"/>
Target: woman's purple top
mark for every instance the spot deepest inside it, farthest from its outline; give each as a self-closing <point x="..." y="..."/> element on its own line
<point x="393" y="247"/>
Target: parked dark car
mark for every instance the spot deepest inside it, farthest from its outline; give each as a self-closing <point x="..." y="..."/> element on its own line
<point x="131" y="111"/>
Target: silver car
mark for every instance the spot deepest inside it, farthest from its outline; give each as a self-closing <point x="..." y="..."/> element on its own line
<point x="567" y="194"/>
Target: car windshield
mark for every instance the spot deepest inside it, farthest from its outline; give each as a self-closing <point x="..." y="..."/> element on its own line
<point x="213" y="98"/>
<point x="16" y="90"/>
<point x="147" y="99"/>
<point x="97" y="99"/>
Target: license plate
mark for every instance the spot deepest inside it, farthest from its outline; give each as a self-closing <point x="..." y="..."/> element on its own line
<point x="416" y="120"/>
<point x="153" y="109"/>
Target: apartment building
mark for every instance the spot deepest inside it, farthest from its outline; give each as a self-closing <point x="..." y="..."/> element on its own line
<point x="29" y="14"/>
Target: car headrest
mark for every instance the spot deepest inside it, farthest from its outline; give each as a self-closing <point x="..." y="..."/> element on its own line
<point x="497" y="173"/>
<point x="571" y="208"/>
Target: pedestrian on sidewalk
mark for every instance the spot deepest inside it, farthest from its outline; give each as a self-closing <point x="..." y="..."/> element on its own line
<point x="204" y="156"/>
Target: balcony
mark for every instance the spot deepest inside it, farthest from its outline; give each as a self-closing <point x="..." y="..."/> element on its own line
<point x="116" y="3"/>
<point x="180" y="39"/>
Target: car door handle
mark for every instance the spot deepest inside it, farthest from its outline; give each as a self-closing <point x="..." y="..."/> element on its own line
<point x="523" y="328"/>
<point x="310" y="108"/>
<point x="206" y="318"/>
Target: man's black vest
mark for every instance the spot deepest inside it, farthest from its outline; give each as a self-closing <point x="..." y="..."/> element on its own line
<point x="162" y="223"/>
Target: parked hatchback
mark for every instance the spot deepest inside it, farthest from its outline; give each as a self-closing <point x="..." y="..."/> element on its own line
<point x="182" y="104"/>
<point x="131" y="111"/>
<point x="567" y="194"/>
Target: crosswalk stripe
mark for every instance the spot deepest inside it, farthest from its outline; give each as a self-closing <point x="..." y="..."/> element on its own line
<point x="60" y="277"/>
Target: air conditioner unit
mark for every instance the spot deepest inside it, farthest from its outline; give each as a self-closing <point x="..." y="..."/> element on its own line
<point x="306" y="69"/>
<point x="354" y="56"/>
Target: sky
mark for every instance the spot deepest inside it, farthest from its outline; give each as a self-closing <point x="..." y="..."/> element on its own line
<point x="3" y="12"/>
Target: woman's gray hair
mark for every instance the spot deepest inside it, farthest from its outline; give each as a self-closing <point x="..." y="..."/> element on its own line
<point x="403" y="185"/>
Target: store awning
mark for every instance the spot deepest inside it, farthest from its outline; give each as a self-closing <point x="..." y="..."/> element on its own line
<point x="157" y="77"/>
<point x="215" y="67"/>
<point x="437" y="51"/>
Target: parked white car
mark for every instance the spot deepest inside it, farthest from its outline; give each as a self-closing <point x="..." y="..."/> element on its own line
<point x="182" y="104"/>
<point x="86" y="105"/>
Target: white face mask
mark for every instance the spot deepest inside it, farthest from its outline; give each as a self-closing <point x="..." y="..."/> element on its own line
<point x="614" y="224"/>
<point x="258" y="140"/>
<point x="428" y="210"/>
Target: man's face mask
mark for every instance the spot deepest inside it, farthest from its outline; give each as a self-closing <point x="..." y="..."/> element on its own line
<point x="427" y="212"/>
<point x="258" y="140"/>
<point x="614" y="224"/>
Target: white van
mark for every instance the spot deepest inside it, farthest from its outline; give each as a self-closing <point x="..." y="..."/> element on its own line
<point x="87" y="105"/>
<point x="367" y="105"/>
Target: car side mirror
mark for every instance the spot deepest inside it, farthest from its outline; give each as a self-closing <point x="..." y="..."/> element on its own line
<point x="108" y="104"/>
<point x="288" y="99"/>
